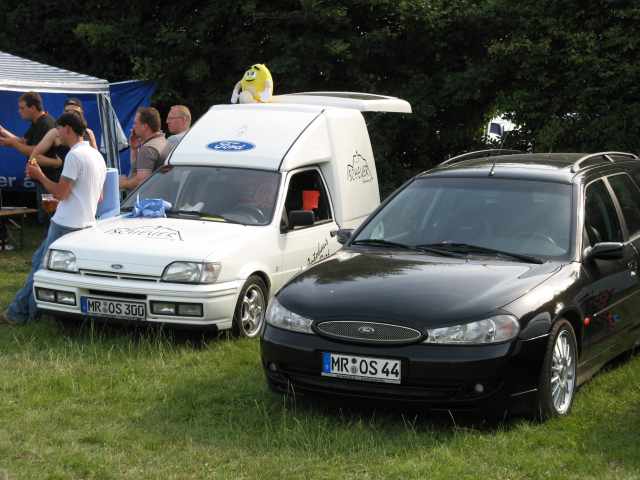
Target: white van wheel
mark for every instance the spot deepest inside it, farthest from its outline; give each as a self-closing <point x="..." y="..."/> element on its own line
<point x="251" y="308"/>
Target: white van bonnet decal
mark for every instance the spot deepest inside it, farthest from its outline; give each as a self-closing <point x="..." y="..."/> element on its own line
<point x="358" y="170"/>
<point x="147" y="231"/>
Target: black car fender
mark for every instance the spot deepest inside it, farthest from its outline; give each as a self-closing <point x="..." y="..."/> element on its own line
<point x="538" y="326"/>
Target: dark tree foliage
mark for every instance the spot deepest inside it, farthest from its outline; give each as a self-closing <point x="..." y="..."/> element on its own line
<point x="569" y="72"/>
<point x="566" y="70"/>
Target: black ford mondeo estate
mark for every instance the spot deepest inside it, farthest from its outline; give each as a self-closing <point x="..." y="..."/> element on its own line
<point x="492" y="282"/>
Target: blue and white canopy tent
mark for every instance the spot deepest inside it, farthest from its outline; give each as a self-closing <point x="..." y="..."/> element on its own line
<point x="19" y="75"/>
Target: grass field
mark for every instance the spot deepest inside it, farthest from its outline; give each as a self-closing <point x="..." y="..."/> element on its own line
<point x="120" y="403"/>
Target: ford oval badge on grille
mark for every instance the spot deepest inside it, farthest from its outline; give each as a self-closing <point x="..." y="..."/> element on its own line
<point x="116" y="266"/>
<point x="230" y="146"/>
<point x="367" y="330"/>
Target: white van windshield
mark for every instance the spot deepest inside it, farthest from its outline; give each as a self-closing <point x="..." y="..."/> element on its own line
<point x="236" y="195"/>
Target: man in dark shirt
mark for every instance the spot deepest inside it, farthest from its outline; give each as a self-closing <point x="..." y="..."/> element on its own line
<point x="30" y="108"/>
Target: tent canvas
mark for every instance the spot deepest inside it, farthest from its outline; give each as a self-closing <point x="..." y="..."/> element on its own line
<point x="126" y="98"/>
<point x="19" y="75"/>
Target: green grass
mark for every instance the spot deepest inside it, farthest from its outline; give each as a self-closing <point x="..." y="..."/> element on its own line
<point x="120" y="403"/>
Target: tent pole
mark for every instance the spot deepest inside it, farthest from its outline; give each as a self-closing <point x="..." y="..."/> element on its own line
<point x="108" y="131"/>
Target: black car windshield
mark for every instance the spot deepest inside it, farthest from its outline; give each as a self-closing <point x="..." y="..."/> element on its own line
<point x="235" y="194"/>
<point x="513" y="216"/>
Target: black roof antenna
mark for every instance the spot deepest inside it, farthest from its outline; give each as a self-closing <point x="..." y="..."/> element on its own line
<point x="491" y="172"/>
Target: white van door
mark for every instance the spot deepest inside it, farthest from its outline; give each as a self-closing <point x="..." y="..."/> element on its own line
<point x="305" y="245"/>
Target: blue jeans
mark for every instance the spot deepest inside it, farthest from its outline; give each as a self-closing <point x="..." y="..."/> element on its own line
<point x="23" y="307"/>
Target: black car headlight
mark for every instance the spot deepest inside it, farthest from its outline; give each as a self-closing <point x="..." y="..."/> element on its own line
<point x="280" y="317"/>
<point x="499" y="328"/>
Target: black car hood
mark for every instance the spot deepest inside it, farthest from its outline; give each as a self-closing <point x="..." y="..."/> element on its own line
<point x="409" y="289"/>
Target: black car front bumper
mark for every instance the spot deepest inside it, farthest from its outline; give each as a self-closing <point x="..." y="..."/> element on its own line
<point x="437" y="376"/>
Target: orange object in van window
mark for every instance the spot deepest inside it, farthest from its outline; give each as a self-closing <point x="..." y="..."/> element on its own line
<point x="310" y="199"/>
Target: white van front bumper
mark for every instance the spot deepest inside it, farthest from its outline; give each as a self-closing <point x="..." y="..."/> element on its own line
<point x="218" y="300"/>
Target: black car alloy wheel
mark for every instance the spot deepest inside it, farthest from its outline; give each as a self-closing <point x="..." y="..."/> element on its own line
<point x="558" y="377"/>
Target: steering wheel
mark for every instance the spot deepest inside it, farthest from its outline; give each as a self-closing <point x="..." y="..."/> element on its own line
<point x="538" y="235"/>
<point x="249" y="210"/>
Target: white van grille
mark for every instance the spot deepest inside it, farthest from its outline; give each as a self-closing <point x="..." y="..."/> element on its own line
<point x="119" y="276"/>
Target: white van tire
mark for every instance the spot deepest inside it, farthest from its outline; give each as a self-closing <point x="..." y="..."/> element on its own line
<point x="248" y="318"/>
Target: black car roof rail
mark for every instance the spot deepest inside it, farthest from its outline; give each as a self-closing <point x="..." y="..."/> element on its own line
<point x="605" y="155"/>
<point x="479" y="154"/>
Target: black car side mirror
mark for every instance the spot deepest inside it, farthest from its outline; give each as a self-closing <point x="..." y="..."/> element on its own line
<point x="344" y="234"/>
<point x="300" y="218"/>
<point x="605" y="251"/>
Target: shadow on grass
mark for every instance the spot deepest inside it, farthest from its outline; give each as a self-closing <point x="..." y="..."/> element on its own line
<point x="235" y="410"/>
<point x="101" y="329"/>
<point x="237" y="406"/>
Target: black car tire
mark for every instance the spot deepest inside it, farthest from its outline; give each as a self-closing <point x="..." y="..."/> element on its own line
<point x="248" y="317"/>
<point x="557" y="385"/>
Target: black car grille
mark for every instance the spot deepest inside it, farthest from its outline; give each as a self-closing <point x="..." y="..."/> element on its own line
<point x="368" y="332"/>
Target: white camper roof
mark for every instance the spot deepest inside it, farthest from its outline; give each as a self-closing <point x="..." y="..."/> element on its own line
<point x="364" y="102"/>
<point x="248" y="136"/>
<point x="260" y="135"/>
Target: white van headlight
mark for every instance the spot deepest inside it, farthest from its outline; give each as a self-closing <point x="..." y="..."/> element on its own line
<point x="499" y="328"/>
<point x="62" y="261"/>
<point x="280" y="317"/>
<point x="191" y="272"/>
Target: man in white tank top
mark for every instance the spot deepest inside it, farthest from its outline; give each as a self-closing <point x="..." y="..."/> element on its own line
<point x="78" y="192"/>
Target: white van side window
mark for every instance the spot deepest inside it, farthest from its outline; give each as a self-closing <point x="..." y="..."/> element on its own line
<point x="307" y="192"/>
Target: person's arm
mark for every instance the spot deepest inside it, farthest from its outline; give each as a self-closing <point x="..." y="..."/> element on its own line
<point x="131" y="183"/>
<point x="44" y="161"/>
<point x="17" y="143"/>
<point x="61" y="190"/>
<point x="92" y="138"/>
<point x="5" y="133"/>
<point x="47" y="142"/>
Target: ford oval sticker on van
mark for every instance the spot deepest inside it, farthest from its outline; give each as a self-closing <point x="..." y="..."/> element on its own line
<point x="230" y="146"/>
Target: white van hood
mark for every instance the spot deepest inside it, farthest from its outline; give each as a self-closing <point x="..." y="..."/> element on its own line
<point x="145" y="246"/>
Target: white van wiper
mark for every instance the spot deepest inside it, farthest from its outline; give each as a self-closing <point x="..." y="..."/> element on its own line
<point x="469" y="248"/>
<point x="202" y="215"/>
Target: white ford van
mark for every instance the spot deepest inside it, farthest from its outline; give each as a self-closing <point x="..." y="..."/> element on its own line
<point x="256" y="193"/>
